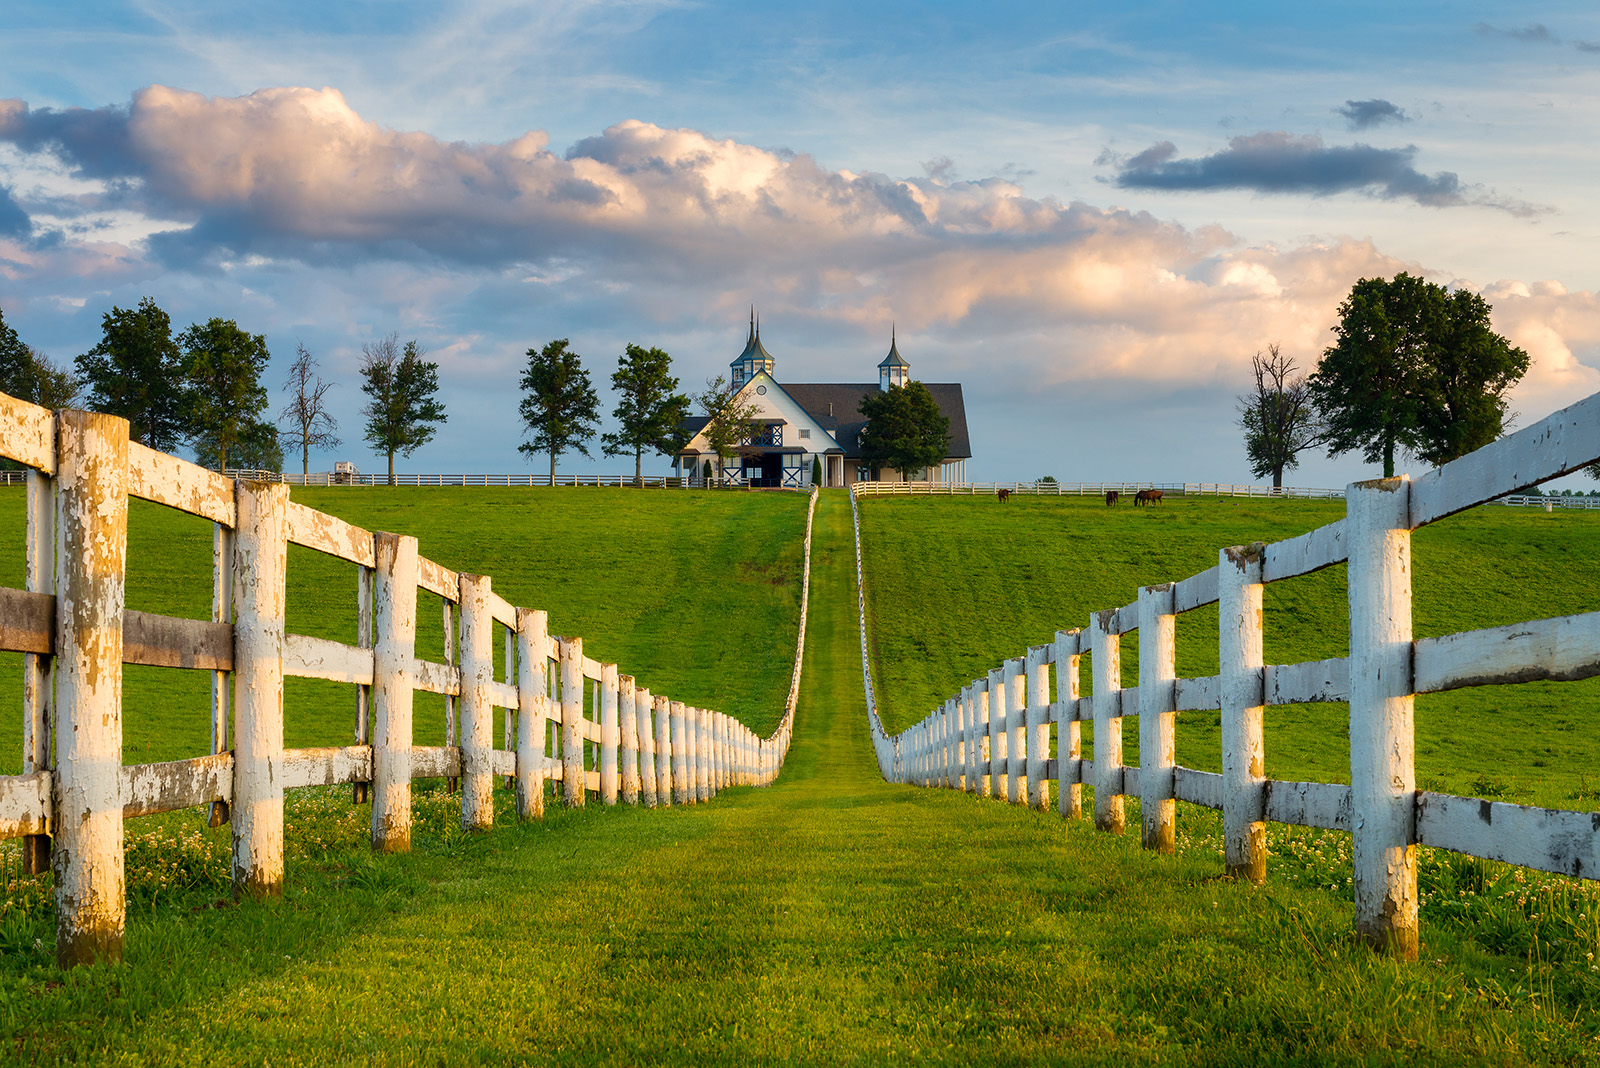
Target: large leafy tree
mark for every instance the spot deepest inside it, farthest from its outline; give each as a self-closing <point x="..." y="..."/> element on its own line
<point x="1278" y="418"/>
<point x="905" y="429"/>
<point x="403" y="407"/>
<point x="728" y="420"/>
<point x="136" y="371"/>
<point x="1464" y="388"/>
<point x="310" y="423"/>
<point x="1413" y="367"/>
<point x="222" y="368"/>
<point x="559" y="406"/>
<point x="649" y="409"/>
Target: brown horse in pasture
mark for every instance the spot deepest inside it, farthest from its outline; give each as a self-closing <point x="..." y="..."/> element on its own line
<point x="1112" y="496"/>
<point x="1149" y="496"/>
<point x="1002" y="495"/>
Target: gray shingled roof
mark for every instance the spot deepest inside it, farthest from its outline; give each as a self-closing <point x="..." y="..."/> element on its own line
<point x="846" y="421"/>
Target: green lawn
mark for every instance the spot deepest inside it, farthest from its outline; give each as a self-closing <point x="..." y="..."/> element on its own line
<point x="956" y="585"/>
<point x="832" y="918"/>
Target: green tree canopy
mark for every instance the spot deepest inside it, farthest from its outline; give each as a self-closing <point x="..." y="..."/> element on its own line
<point x="1413" y="367"/>
<point x="403" y="408"/>
<point x="649" y="409"/>
<point x="136" y="371"/>
<point x="905" y="429"/>
<point x="222" y="367"/>
<point x="559" y="406"/>
<point x="256" y="448"/>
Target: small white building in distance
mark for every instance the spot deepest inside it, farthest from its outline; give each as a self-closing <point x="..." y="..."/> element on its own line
<point x="800" y="423"/>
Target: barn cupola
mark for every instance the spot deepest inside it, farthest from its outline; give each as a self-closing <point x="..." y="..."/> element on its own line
<point x="894" y="370"/>
<point x="754" y="359"/>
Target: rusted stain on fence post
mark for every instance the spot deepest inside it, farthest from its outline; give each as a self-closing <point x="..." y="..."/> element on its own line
<point x="1244" y="833"/>
<point x="476" y="708"/>
<point x="37" y="667"/>
<point x="393" y="657"/>
<point x="533" y="707"/>
<point x="261" y="557"/>
<point x="1105" y="650"/>
<point x="1382" y="743"/>
<point x="1069" y="731"/>
<point x="573" y="786"/>
<point x="90" y="567"/>
<point x="1038" y="728"/>
<point x="1157" y="703"/>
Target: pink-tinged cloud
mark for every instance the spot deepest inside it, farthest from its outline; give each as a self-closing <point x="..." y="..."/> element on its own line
<point x="674" y="216"/>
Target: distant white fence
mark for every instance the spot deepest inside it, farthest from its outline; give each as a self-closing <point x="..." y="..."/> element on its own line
<point x="334" y="478"/>
<point x="993" y="738"/>
<point x="69" y="804"/>
<point x="1171" y="489"/>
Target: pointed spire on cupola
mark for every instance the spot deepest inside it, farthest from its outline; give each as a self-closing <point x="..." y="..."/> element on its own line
<point x="894" y="370"/>
<point x="754" y="358"/>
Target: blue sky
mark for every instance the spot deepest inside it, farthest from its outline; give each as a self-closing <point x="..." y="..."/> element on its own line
<point x="1091" y="216"/>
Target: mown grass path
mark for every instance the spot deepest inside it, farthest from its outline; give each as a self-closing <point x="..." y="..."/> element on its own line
<point x="829" y="919"/>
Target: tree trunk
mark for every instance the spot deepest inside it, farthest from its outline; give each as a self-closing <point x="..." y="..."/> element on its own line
<point x="391" y="467"/>
<point x="305" y="461"/>
<point x="1388" y="454"/>
<point x="1277" y="478"/>
<point x="638" y="467"/>
<point x="552" y="467"/>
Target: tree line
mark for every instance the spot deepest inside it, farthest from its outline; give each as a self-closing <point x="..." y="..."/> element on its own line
<point x="1414" y="368"/>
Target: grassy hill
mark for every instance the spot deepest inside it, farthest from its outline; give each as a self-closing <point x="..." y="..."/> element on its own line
<point x="955" y="585"/>
<point x="696" y="594"/>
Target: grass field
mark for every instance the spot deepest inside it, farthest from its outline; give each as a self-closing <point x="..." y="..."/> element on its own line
<point x="648" y="579"/>
<point x="958" y="584"/>
<point x="832" y="918"/>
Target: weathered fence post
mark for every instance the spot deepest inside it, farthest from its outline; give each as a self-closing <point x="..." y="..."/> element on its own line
<point x="680" y="757"/>
<point x="1105" y="649"/>
<point x="609" y="693"/>
<point x="664" y="735"/>
<point x="628" y="725"/>
<point x="573" y="771"/>
<point x="1244" y="834"/>
<point x="360" y="792"/>
<point x="1016" y="733"/>
<point x="261" y="554"/>
<point x="985" y="738"/>
<point x="533" y="707"/>
<point x="37" y="706"/>
<point x="1069" y="731"/>
<point x="392" y="693"/>
<point x="1382" y="743"/>
<point x="1158" y="675"/>
<point x="91" y="553"/>
<point x="644" y="705"/>
<point x="475" y="707"/>
<point x="1038" y="727"/>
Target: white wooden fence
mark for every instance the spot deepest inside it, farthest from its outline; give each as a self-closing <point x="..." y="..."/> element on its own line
<point x="993" y="738"/>
<point x="615" y="737"/>
<point x="1173" y="489"/>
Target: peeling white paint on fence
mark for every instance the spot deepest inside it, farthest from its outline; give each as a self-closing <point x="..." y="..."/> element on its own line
<point x="1382" y="808"/>
<point x="70" y="802"/>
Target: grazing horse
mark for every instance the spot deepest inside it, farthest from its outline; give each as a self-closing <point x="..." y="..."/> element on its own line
<point x="1149" y="496"/>
<point x="1112" y="496"/>
<point x="1002" y="495"/>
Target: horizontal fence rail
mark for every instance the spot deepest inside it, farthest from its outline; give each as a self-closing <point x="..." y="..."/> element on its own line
<point x="1168" y="489"/>
<point x="993" y="738"/>
<point x="607" y="735"/>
